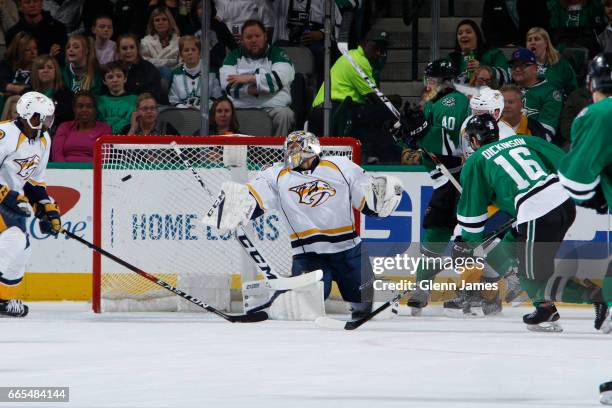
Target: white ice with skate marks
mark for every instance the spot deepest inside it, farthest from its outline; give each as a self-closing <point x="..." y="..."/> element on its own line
<point x="162" y="360"/>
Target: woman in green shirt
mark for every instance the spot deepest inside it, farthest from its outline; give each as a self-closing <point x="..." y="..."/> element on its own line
<point x="471" y="52"/>
<point x="551" y="65"/>
<point x="47" y="79"/>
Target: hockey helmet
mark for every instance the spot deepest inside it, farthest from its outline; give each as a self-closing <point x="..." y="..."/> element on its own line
<point x="300" y="146"/>
<point x="599" y="77"/>
<point x="34" y="103"/>
<point x="441" y="69"/>
<point x="482" y="128"/>
<point x="488" y="101"/>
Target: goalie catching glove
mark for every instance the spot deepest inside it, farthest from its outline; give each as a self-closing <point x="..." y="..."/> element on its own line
<point x="384" y="195"/>
<point x="48" y="214"/>
<point x="233" y="207"/>
<point x="15" y="202"/>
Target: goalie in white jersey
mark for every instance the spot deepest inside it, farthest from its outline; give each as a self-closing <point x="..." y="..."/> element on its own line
<point x="24" y="152"/>
<point x="316" y="196"/>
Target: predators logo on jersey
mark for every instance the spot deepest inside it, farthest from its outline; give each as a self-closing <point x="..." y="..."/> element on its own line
<point x="27" y="166"/>
<point x="314" y="193"/>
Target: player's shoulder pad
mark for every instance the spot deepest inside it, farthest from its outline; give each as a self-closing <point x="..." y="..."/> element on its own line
<point x="271" y="171"/>
<point x="9" y="133"/>
<point x="340" y="163"/>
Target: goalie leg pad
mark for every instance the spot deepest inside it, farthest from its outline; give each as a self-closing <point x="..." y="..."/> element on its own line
<point x="233" y="207"/>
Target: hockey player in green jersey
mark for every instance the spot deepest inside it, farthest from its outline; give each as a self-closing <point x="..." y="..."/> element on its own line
<point x="444" y="112"/>
<point x="591" y="185"/>
<point x="518" y="175"/>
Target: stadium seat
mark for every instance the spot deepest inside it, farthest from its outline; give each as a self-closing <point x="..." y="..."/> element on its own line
<point x="578" y="57"/>
<point x="301" y="99"/>
<point x="302" y="58"/>
<point x="254" y="122"/>
<point x="304" y="86"/>
<point x="186" y="121"/>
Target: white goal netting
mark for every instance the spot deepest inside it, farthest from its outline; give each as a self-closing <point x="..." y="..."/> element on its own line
<point x="148" y="207"/>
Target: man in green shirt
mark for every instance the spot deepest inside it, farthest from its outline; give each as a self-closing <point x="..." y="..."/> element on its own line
<point x="586" y="171"/>
<point x="541" y="101"/>
<point x="517" y="174"/>
<point x="367" y="113"/>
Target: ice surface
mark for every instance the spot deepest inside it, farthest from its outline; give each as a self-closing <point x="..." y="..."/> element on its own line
<point x="161" y="360"/>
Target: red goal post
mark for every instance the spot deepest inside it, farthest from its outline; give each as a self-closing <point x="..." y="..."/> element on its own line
<point x="145" y="211"/>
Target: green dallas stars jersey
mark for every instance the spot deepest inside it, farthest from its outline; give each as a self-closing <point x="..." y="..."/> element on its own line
<point x="445" y="116"/>
<point x="543" y="103"/>
<point x="517" y="174"/>
<point x="589" y="161"/>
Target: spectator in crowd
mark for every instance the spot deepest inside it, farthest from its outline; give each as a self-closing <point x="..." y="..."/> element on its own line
<point x="471" y="51"/>
<point x="74" y="140"/>
<point x="576" y="23"/>
<point x="67" y="12"/>
<point x="94" y="9"/>
<point x="102" y="29"/>
<point x="258" y="75"/>
<point x="49" y="33"/>
<point x="367" y="113"/>
<point x="297" y="25"/>
<point x="541" y="101"/>
<point x="483" y="76"/>
<point x="513" y="113"/>
<point x="47" y="79"/>
<point x="579" y="99"/>
<point x="130" y="16"/>
<point x="8" y="18"/>
<point x="16" y="68"/>
<point x="10" y="109"/>
<point x="116" y="107"/>
<point x="219" y="36"/>
<point x="180" y="11"/>
<point x="185" y="82"/>
<point x="142" y="76"/>
<point x="223" y="120"/>
<point x="160" y="47"/>
<point x="81" y="70"/>
<point x="145" y="119"/>
<point x="605" y="38"/>
<point x="551" y="65"/>
<point x="234" y="13"/>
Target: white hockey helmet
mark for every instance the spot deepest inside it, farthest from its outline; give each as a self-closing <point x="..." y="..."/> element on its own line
<point x="300" y="146"/>
<point x="34" y="103"/>
<point x="488" y="101"/>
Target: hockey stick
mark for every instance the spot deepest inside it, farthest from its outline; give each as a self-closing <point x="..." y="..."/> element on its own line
<point x="330" y="323"/>
<point x="272" y="280"/>
<point x="245" y="318"/>
<point x="343" y="47"/>
<point x="443" y="169"/>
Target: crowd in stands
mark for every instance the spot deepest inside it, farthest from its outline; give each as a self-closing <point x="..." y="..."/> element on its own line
<point x="111" y="66"/>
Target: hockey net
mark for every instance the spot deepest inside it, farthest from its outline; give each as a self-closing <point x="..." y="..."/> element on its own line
<point x="147" y="208"/>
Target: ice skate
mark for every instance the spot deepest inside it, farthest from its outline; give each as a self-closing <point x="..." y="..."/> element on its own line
<point x="13" y="308"/>
<point x="492" y="307"/>
<point x="513" y="287"/>
<point x="543" y="319"/>
<point x="464" y="305"/>
<point x="602" y="313"/>
<point x="605" y="393"/>
<point x="418" y="301"/>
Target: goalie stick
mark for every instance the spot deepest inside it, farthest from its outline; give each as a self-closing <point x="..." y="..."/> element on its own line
<point x="244" y="318"/>
<point x="272" y="280"/>
<point x="330" y="323"/>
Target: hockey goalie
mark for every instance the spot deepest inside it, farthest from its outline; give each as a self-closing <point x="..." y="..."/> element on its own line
<point x="316" y="196"/>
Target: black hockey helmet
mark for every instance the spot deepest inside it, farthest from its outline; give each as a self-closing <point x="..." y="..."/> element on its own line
<point x="599" y="77"/>
<point x="441" y="68"/>
<point x="483" y="128"/>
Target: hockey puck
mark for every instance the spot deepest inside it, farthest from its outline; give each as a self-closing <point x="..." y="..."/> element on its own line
<point x="605" y="390"/>
<point x="126" y="178"/>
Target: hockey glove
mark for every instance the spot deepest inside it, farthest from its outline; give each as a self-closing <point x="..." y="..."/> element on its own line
<point x="414" y="126"/>
<point x="597" y="202"/>
<point x="48" y="214"/>
<point x="462" y="249"/>
<point x="15" y="202"/>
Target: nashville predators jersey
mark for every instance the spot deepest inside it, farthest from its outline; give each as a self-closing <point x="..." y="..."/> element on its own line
<point x="22" y="160"/>
<point x="317" y="205"/>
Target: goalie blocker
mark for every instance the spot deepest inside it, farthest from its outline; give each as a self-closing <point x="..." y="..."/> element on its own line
<point x="316" y="196"/>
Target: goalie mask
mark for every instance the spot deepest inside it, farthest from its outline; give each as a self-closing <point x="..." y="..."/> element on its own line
<point x="37" y="109"/>
<point x="300" y="146"/>
<point x="488" y="101"/>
